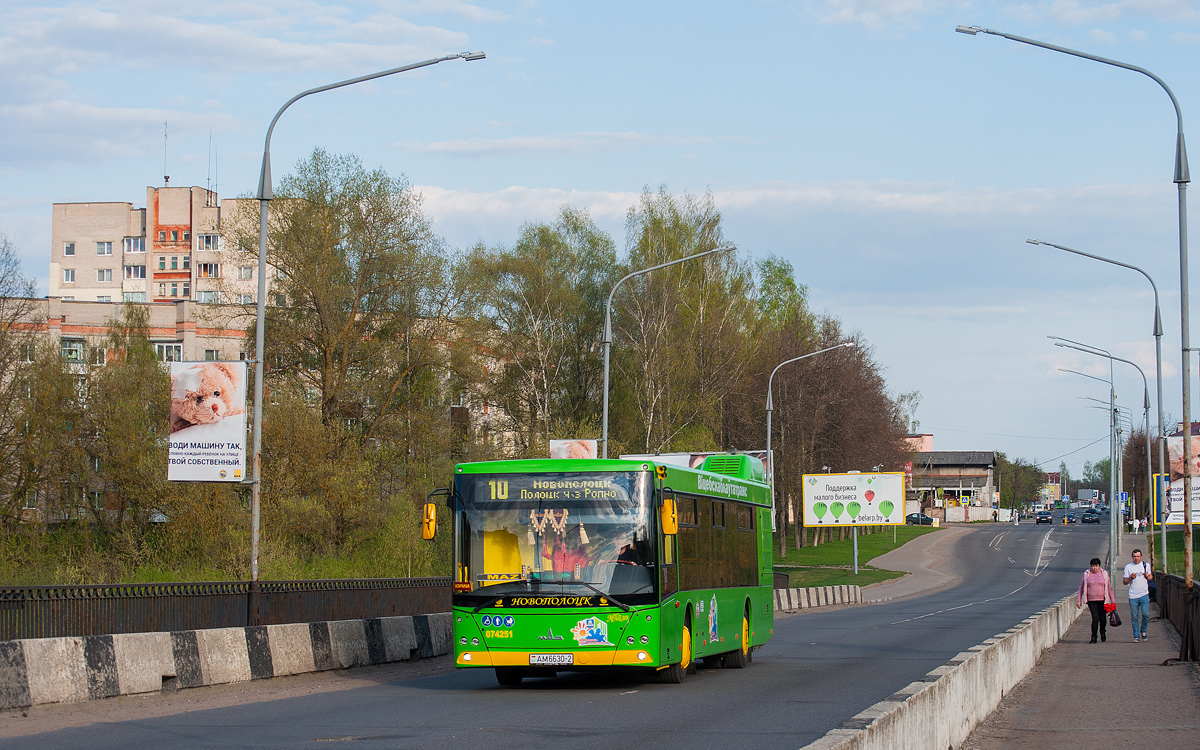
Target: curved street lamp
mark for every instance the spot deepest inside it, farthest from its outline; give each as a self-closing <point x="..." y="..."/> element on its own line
<point x="771" y="408"/>
<point x="1146" y="407"/>
<point x="1181" y="178"/>
<point x="264" y="198"/>
<point x="607" y="342"/>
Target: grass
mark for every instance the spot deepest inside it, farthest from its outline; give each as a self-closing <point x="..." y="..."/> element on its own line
<point x="1175" y="551"/>
<point x="831" y="563"/>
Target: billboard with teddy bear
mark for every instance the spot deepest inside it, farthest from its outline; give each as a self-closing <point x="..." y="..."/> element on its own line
<point x="208" y="422"/>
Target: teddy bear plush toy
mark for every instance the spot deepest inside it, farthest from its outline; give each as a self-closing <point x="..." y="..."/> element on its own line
<point x="203" y="394"/>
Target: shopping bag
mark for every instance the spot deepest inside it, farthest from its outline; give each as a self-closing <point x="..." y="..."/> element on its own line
<point x="1114" y="620"/>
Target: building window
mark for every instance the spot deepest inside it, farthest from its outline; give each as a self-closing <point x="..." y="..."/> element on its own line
<point x="27" y="351"/>
<point x="187" y="262"/>
<point x="208" y="297"/>
<point x="162" y="236"/>
<point x="174" y="262"/>
<point x="245" y="299"/>
<point x="135" y="296"/>
<point x="162" y="262"/>
<point x="103" y="274"/>
<point x="135" y="272"/>
<point x="212" y="355"/>
<point x="206" y="242"/>
<point x="187" y="289"/>
<point x="68" y="248"/>
<point x="279" y="300"/>
<point x="174" y="288"/>
<point x="169" y="352"/>
<point x="72" y="350"/>
<point x="133" y="245"/>
<point x="187" y="236"/>
<point x="280" y="273"/>
<point x="68" y="275"/>
<point x="103" y="248"/>
<point x="104" y="298"/>
<point x="30" y="500"/>
<point x="174" y="235"/>
<point x="208" y="270"/>
<point x="162" y="290"/>
<point x="245" y="273"/>
<point x="99" y="356"/>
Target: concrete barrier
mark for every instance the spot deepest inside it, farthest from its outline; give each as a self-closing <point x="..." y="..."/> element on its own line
<point x="940" y="710"/>
<point x="787" y="600"/>
<point x="67" y="670"/>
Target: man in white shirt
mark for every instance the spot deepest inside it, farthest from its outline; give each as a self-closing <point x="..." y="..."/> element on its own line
<point x="1137" y="576"/>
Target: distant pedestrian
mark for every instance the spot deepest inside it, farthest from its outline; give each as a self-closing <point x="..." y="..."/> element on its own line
<point x="1137" y="576"/>
<point x="1096" y="589"/>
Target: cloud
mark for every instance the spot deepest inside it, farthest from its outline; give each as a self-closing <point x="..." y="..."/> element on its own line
<point x="1076" y="13"/>
<point x="1185" y="38"/>
<point x="1102" y="36"/>
<point x="573" y="143"/>
<point x="63" y="131"/>
<point x="542" y="41"/>
<point x="876" y="14"/>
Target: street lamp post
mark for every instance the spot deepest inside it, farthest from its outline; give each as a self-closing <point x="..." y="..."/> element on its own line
<point x="264" y="198"/>
<point x="771" y="408"/>
<point x="1181" y="178"/>
<point x="1158" y="333"/>
<point x="607" y="342"/>
<point x="1114" y="540"/>
<point x="1146" y="409"/>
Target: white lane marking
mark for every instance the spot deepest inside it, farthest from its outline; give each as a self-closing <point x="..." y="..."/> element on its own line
<point x="1036" y="572"/>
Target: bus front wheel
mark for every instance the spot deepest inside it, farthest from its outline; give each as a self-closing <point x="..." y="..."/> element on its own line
<point x="509" y="676"/>
<point x="674" y="673"/>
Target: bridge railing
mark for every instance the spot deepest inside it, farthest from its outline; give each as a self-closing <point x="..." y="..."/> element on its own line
<point x="57" y="611"/>
<point x="1181" y="606"/>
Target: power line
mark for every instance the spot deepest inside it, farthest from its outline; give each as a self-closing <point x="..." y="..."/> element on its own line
<point x="1089" y="445"/>
<point x="1000" y="434"/>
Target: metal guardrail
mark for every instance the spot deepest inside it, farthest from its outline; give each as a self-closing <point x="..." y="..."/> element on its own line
<point x="1181" y="606"/>
<point x="58" y="611"/>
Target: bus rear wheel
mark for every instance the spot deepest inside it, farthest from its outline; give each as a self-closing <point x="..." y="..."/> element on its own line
<point x="739" y="657"/>
<point x="509" y="676"/>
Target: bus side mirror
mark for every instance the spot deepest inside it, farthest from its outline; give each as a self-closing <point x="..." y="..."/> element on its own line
<point x="669" y="517"/>
<point x="429" y="522"/>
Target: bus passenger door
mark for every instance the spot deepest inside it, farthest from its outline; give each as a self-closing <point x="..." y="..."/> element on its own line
<point x="668" y="557"/>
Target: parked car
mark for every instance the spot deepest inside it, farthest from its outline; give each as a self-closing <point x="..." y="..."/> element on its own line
<point x="918" y="519"/>
<point x="1045" y="516"/>
<point x="1069" y="518"/>
<point x="1090" y="516"/>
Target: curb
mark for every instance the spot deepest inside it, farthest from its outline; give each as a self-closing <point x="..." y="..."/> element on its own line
<point x="819" y="596"/>
<point x="941" y="709"/>
<point x="68" y="670"/>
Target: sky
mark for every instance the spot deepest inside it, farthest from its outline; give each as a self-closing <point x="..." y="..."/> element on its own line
<point x="899" y="166"/>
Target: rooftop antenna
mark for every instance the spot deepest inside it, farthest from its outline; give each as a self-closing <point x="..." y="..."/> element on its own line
<point x="208" y="183"/>
<point x="166" y="177"/>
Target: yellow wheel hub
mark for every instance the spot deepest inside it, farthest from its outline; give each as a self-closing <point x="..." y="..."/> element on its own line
<point x="745" y="635"/>
<point x="685" y="650"/>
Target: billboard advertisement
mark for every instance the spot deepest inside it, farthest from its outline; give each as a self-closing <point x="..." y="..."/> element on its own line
<point x="208" y="422"/>
<point x="572" y="449"/>
<point x="854" y="499"/>
<point x="1174" y="498"/>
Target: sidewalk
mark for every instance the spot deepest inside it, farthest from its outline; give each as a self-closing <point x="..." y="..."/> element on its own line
<point x="1106" y="695"/>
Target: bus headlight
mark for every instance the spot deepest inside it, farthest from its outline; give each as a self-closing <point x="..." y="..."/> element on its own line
<point x="629" y="640"/>
<point x="645" y="639"/>
<point x="642" y="656"/>
<point x="464" y="640"/>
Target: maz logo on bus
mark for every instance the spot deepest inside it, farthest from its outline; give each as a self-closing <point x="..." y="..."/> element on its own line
<point x="499" y="489"/>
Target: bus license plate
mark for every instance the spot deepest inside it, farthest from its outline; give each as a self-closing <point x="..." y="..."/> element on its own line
<point x="552" y="660"/>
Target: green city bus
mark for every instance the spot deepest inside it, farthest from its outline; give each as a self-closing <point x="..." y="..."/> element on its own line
<point x="588" y="564"/>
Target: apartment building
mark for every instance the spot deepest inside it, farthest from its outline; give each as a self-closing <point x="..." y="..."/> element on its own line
<point x="172" y="249"/>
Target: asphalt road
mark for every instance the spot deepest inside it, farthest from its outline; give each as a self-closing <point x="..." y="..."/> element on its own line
<point x="820" y="669"/>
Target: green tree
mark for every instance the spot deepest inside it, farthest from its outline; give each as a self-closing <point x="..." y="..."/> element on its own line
<point x="686" y="335"/>
<point x="1096" y="474"/>
<point x="543" y="302"/>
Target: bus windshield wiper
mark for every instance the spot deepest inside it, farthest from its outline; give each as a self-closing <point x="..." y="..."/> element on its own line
<point x="609" y="597"/>
<point x="490" y="601"/>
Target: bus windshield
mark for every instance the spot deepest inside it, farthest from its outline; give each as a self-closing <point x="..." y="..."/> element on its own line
<point x="572" y="533"/>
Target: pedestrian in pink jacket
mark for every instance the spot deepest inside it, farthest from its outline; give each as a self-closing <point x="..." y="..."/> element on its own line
<point x="1096" y="589"/>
